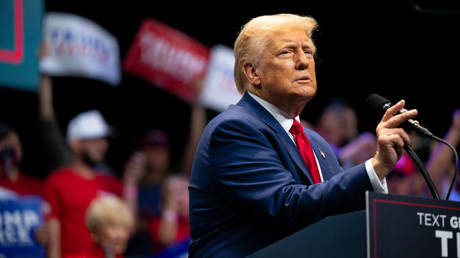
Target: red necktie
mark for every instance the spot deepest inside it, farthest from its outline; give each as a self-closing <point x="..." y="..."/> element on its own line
<point x="305" y="150"/>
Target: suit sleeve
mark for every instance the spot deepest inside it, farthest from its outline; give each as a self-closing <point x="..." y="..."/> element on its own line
<point x="249" y="174"/>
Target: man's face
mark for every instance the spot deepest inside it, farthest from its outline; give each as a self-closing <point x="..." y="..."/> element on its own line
<point x="287" y="67"/>
<point x="11" y="141"/>
<point x="10" y="153"/>
<point x="157" y="157"/>
<point x="339" y="125"/>
<point x="94" y="149"/>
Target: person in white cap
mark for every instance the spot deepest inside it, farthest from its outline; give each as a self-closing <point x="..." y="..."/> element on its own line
<point x="87" y="138"/>
<point x="70" y="190"/>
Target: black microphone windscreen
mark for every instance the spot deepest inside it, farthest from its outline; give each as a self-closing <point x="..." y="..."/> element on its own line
<point x="376" y="101"/>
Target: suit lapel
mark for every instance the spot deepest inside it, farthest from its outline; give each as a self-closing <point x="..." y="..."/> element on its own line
<point x="253" y="106"/>
<point x="319" y="150"/>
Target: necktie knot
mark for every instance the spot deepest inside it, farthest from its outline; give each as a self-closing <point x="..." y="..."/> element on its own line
<point x="296" y="128"/>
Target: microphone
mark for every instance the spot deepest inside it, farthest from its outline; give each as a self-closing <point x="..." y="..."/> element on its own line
<point x="381" y="104"/>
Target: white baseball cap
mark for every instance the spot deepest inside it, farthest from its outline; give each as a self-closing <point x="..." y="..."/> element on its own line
<point x="88" y="125"/>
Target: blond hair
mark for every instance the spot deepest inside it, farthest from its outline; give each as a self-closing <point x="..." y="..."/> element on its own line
<point x="252" y="39"/>
<point x="105" y="209"/>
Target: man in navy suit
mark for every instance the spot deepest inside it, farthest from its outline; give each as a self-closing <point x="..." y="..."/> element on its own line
<point x="250" y="185"/>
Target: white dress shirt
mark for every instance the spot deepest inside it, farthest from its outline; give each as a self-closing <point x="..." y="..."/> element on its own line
<point x="380" y="186"/>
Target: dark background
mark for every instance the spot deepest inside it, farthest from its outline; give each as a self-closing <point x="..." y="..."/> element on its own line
<point x="385" y="47"/>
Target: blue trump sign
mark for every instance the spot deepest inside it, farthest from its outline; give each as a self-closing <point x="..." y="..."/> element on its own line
<point x="18" y="221"/>
<point x="178" y="250"/>
<point x="20" y="24"/>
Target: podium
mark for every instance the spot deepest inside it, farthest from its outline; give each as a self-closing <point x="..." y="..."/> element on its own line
<point x="390" y="227"/>
<point x="341" y="234"/>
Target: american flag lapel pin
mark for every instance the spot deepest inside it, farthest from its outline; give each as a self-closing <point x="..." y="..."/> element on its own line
<point x="322" y="154"/>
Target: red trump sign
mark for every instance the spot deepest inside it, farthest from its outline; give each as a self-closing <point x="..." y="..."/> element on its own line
<point x="167" y="58"/>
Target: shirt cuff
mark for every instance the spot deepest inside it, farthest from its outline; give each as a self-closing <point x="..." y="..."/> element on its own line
<point x="380" y="186"/>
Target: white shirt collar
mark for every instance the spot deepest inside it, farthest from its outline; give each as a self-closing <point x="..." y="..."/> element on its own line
<point x="280" y="116"/>
<point x="286" y="123"/>
<point x="284" y="120"/>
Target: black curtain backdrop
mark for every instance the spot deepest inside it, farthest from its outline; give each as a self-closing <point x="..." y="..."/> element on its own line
<point x="364" y="47"/>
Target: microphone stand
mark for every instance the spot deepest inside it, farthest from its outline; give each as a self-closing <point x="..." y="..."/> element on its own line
<point x="454" y="151"/>
<point x="422" y="170"/>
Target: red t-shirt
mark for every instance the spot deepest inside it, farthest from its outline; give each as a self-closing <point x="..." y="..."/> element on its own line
<point x="182" y="233"/>
<point x="69" y="195"/>
<point x="24" y="185"/>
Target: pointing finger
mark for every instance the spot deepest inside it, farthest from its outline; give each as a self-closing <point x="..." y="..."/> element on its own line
<point x="393" y="110"/>
<point x="397" y="120"/>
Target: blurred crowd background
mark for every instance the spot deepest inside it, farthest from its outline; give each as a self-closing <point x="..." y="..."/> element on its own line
<point x="398" y="49"/>
<point x="386" y="47"/>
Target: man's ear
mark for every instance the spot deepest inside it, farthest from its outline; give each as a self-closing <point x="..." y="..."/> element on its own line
<point x="74" y="145"/>
<point x="251" y="74"/>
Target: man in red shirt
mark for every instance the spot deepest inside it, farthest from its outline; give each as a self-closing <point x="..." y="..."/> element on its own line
<point x="11" y="177"/>
<point x="70" y="190"/>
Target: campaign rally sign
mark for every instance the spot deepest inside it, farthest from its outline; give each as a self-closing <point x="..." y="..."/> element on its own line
<point x="77" y="46"/>
<point x="401" y="226"/>
<point x="177" y="250"/>
<point x="19" y="218"/>
<point x="167" y="58"/>
<point x="219" y="88"/>
<point x="20" y="26"/>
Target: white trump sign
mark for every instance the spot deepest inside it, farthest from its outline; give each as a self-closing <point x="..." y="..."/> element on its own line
<point x="77" y="46"/>
<point x="219" y="88"/>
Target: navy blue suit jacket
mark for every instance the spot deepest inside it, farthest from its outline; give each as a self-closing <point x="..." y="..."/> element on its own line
<point x="250" y="187"/>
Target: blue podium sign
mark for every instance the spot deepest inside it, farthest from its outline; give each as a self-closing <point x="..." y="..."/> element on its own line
<point x="400" y="226"/>
<point x="19" y="218"/>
